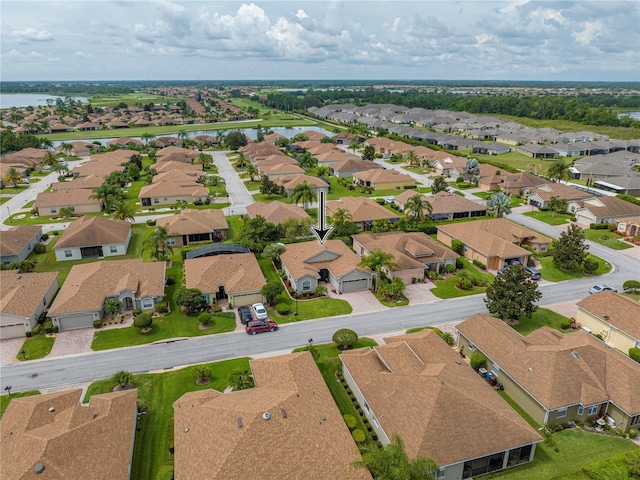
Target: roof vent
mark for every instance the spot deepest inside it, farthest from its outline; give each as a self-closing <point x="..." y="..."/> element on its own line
<point x="323" y="418"/>
<point x="240" y="422"/>
<point x="458" y="362"/>
<point x="39" y="468"/>
<point x="51" y="409"/>
<point x="575" y="353"/>
<point x="266" y="415"/>
<point x="186" y="430"/>
<point x="283" y="413"/>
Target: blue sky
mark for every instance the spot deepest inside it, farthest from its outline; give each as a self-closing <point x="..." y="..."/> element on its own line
<point x="349" y="39"/>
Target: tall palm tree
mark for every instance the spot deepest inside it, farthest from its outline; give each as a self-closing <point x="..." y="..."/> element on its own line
<point x="557" y="205"/>
<point x="123" y="211"/>
<point x="147" y="137"/>
<point x="415" y="206"/>
<point x="157" y="244"/>
<point x="108" y="194"/>
<point x="376" y="260"/>
<point x="391" y="463"/>
<point x="49" y="158"/>
<point x="252" y="171"/>
<point x="66" y="148"/>
<point x="183" y="135"/>
<point x="412" y="159"/>
<point x="341" y="216"/>
<point x="354" y="145"/>
<point x="303" y="193"/>
<point x="13" y="176"/>
<point x="559" y="171"/>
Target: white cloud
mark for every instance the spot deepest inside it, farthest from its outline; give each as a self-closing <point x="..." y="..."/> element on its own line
<point x="30" y="35"/>
<point x="301" y="15"/>
<point x="590" y="32"/>
<point x="81" y="54"/>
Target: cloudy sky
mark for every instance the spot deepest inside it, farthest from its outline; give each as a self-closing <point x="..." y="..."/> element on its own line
<point x="348" y="39"/>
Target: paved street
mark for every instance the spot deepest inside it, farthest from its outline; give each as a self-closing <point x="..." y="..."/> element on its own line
<point x="236" y="188"/>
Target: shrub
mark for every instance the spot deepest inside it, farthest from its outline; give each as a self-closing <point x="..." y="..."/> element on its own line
<point x="283" y="308"/>
<point x="599" y="226"/>
<point x="358" y="435"/>
<point x="197" y="202"/>
<point x="162" y="307"/>
<point x="204" y="317"/>
<point x="459" y="180"/>
<point x="345" y="338"/>
<point x="143" y="320"/>
<point x="44" y="237"/>
<point x="633" y="433"/>
<point x="591" y="265"/>
<point x="478" y="361"/>
<point x="28" y="334"/>
<point x="39" y="248"/>
<point x="348" y="390"/>
<point x="598" y="335"/>
<point x="457" y="246"/>
<point x="631" y="286"/>
<point x="465" y="283"/>
<point x="170" y="281"/>
<point x="97" y="323"/>
<point x="565" y="324"/>
<point x="459" y="263"/>
<point x="479" y="264"/>
<point x="48" y="326"/>
<point x="447" y="337"/>
<point x="151" y="223"/>
<point x="217" y="309"/>
<point x="55" y="329"/>
<point x="634" y="353"/>
<point x="380" y="201"/>
<point x="136" y="312"/>
<point x="350" y="420"/>
<point x="36" y="330"/>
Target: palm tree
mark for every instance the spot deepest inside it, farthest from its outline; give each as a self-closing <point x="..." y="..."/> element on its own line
<point x="354" y="145"/>
<point x="557" y="205"/>
<point x="302" y="193"/>
<point x="123" y="211"/>
<point x="376" y="260"/>
<point x="147" y="137"/>
<point x="391" y="463"/>
<point x="415" y="206"/>
<point x="412" y="159"/>
<point x="559" y="171"/>
<point x="59" y="168"/>
<point x="111" y="307"/>
<point x="13" y="176"/>
<point x="341" y="216"/>
<point x="66" y="148"/>
<point x="499" y="204"/>
<point x="108" y="194"/>
<point x="158" y="245"/>
<point x="241" y="380"/>
<point x="204" y="159"/>
<point x="49" y="158"/>
<point x="182" y="135"/>
<point x="123" y="379"/>
<point x="252" y="171"/>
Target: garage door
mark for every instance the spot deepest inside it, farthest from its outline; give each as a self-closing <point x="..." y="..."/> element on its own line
<point x="80" y="321"/>
<point x="12" y="331"/>
<point x="354" y="285"/>
<point x="241" y="299"/>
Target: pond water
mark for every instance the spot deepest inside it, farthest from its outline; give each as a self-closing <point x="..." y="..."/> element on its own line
<point x="9" y="100"/>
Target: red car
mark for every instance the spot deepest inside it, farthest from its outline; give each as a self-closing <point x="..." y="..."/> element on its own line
<point x="257" y="326"/>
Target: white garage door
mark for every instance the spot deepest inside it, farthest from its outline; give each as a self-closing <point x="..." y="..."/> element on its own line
<point x="241" y="299"/>
<point x="79" y="321"/>
<point x="12" y="331"/>
<point x="354" y="285"/>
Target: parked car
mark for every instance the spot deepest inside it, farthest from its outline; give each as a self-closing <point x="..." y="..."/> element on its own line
<point x="261" y="312"/>
<point x="245" y="314"/>
<point x="257" y="326"/>
<point x="534" y="272"/>
<point x="601" y="288"/>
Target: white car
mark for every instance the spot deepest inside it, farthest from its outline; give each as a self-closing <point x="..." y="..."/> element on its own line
<point x="261" y="312"/>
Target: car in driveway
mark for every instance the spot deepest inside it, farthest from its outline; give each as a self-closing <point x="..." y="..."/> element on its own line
<point x="260" y="311"/>
<point x="601" y="287"/>
<point x="534" y="273"/>
<point x="257" y="326"/>
<point x="245" y="314"/>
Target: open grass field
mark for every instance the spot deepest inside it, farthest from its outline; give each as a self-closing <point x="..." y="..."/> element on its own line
<point x="6" y="399"/>
<point x="159" y="391"/>
<point x="140" y="98"/>
<point x="518" y="160"/>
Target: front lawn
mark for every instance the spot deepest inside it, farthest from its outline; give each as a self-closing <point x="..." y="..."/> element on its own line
<point x="550" y="217"/>
<point x="6" y="399"/>
<point x="541" y="317"/>
<point x="159" y="391"/>
<point x="515" y="200"/>
<point x="38" y="346"/>
<point x="255" y="185"/>
<point x="551" y="272"/>
<point x="606" y="238"/>
<point x="576" y="449"/>
<point x="447" y="288"/>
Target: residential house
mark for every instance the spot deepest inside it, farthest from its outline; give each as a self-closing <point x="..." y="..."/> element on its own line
<point x="169" y="193"/>
<point x="50" y="203"/>
<point x="348" y="168"/>
<point x="274" y="137"/>
<point x="491" y="148"/>
<point x="124" y="142"/>
<point x="17" y="242"/>
<point x="289" y="182"/>
<point x="272" y="160"/>
<point x="382" y="145"/>
<point x="93" y="237"/>
<point x="414" y="253"/>
<point x="615" y="317"/>
<point x="602" y="210"/>
<point x="416" y="387"/>
<point x="23" y="297"/>
<point x="55" y="436"/>
<point x="510" y="183"/>
<point x="195" y="226"/>
<point x="236" y="277"/>
<point x="629" y="226"/>
<point x="335" y="155"/>
<point x="280" y="170"/>
<point x="27" y="157"/>
<point x="188" y="168"/>
<point x="539" y="196"/>
<point x="276" y="212"/>
<point x="363" y="211"/>
<point x="135" y="284"/>
<point x="537" y="151"/>
<point x="444" y="205"/>
<point x="495" y="243"/>
<point x="176" y="154"/>
<point x="557" y="378"/>
<point x="290" y="403"/>
<point x="309" y="263"/>
<point x="383" y="179"/>
<point x="178" y="176"/>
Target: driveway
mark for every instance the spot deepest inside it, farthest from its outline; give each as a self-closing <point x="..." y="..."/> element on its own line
<point x="361" y="302"/>
<point x="9" y="348"/>
<point x="420" y="293"/>
<point x="72" y="342"/>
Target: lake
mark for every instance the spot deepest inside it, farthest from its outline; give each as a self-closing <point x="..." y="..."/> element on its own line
<point x="634" y="115"/>
<point x="9" y="100"/>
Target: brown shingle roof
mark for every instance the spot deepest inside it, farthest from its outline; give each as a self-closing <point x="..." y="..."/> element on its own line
<point x="445" y="202"/>
<point x="383" y="176"/>
<point x="238" y="272"/>
<point x="302" y="259"/>
<point x="544" y="364"/>
<point x="362" y="209"/>
<point x="417" y="389"/>
<point x="66" y="198"/>
<point x="90" y="442"/>
<point x="194" y="221"/>
<point x="623" y="312"/>
<point x="353" y="165"/>
<point x="170" y="189"/>
<point x="91" y="231"/>
<point x="14" y="239"/>
<point x="304" y="439"/>
<point x="22" y="293"/>
<point x="603" y="207"/>
<point x="560" y="191"/>
<point x="290" y="182"/>
<point x="170" y="165"/>
<point x="276" y="212"/>
<point x="89" y="284"/>
<point x="90" y="182"/>
<point x="281" y="169"/>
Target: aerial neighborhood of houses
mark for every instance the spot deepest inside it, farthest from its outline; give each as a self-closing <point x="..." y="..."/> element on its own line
<point x="148" y="239"/>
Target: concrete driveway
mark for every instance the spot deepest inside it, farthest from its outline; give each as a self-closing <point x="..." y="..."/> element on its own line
<point x="361" y="302"/>
<point x="9" y="348"/>
<point x="420" y="293"/>
<point x="72" y="342"/>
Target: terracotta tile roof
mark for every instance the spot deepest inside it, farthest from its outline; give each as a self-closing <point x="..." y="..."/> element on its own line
<point x="238" y="272"/>
<point x="409" y="250"/>
<point x="12" y="241"/>
<point x="282" y="169"/>
<point x="623" y="312"/>
<point x="276" y="212"/>
<point x="304" y="439"/>
<point x="91" y="231"/>
<point x="194" y="221"/>
<point x="383" y="176"/>
<point x="89" y="284"/>
<point x="307" y="258"/>
<point x="289" y="182"/>
<point x="417" y="389"/>
<point x="558" y="370"/>
<point x="91" y="442"/>
<point x="362" y="209"/>
<point x="22" y="293"/>
<point x="496" y="237"/>
<point x="66" y="198"/>
<point x="170" y="189"/>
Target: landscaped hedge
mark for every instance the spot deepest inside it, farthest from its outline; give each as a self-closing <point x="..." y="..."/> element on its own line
<point x="634" y="353"/>
<point x="283" y="308"/>
<point x="478" y="361"/>
<point x="358" y="435"/>
<point x="97" y="323"/>
<point x="350" y="420"/>
<point x="48" y="326"/>
<point x="631" y="286"/>
<point x="626" y="465"/>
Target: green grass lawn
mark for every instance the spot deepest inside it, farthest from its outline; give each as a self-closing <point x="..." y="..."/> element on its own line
<point x="541" y="317"/>
<point x="551" y="272"/>
<point x="515" y="200"/>
<point x="6" y="399"/>
<point x="418" y="170"/>
<point x="138" y="98"/>
<point x="549" y="217"/>
<point x="159" y="392"/>
<point x="38" y="346"/>
<point x="516" y="160"/>
<point x="255" y="185"/>
<point x="576" y="449"/>
<point x="4" y="199"/>
<point x="606" y="238"/>
<point x="447" y="288"/>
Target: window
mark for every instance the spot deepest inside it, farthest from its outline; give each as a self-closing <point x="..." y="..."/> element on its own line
<point x="306" y="285"/>
<point x="171" y="241"/>
<point x="635" y="419"/>
<point x="466" y="249"/>
<point x="580" y="410"/>
<point x="543" y="248"/>
<point x="68" y="254"/>
<point x="156" y="200"/>
<point x="442" y="471"/>
<point x="366" y="407"/>
<point x="592" y="410"/>
<point x="54" y="210"/>
<point x="471" y="347"/>
<point x="495" y="368"/>
<point x="113" y="249"/>
<point x="147" y="303"/>
<point x="561" y="413"/>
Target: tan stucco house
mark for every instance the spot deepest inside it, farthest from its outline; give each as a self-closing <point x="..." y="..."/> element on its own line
<point x="50" y="203"/>
<point x="195" y="226"/>
<point x="93" y="237"/>
<point x="17" y="243"/>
